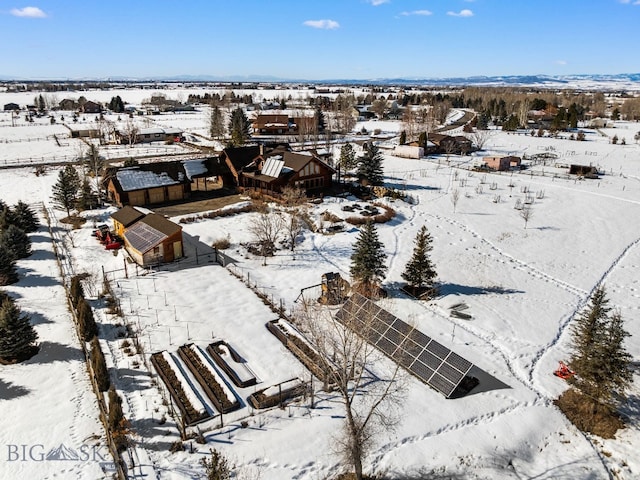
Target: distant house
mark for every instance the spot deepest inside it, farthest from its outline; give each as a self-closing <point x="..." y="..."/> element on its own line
<point x="271" y="172"/>
<point x="11" y="106"/>
<point x="148" y="135"/>
<point x="458" y="144"/>
<point x="124" y="218"/>
<point x="67" y="104"/>
<point x="283" y="124"/>
<point x="500" y="163"/>
<point x="90" y="107"/>
<point x="85" y="133"/>
<point x="153" y="239"/>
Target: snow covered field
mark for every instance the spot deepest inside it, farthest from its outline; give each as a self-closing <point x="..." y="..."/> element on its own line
<point x="523" y="287"/>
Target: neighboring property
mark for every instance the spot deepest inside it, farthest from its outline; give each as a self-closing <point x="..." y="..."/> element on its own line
<point x="124" y="218"/>
<point x="85" y="133"/>
<point x="91" y="107"/>
<point x="271" y="172"/>
<point x="153" y="239"/>
<point x="283" y="124"/>
<point x="500" y="163"/>
<point x="148" y="135"/>
<point x="458" y="144"/>
<point x="67" y="104"/>
<point x="11" y="106"/>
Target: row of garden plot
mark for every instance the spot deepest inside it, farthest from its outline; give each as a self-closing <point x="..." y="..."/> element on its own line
<point x="196" y="386"/>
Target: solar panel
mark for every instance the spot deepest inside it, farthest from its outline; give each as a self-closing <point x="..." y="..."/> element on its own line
<point x="273" y="166"/>
<point x="427" y="359"/>
<point x="143" y="237"/>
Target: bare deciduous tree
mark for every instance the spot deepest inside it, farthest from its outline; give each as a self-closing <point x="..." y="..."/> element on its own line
<point x="266" y="228"/>
<point x="370" y="400"/>
<point x="480" y="138"/>
<point x="293" y="227"/>
<point x="526" y="213"/>
<point x="131" y="131"/>
<point x="455" y="197"/>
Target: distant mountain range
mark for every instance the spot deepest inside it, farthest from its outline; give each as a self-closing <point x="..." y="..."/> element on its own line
<point x="610" y="81"/>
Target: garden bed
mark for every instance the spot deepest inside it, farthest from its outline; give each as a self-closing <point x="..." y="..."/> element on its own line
<point x="192" y="410"/>
<point x="303" y="351"/>
<point x="277" y="394"/>
<point x="232" y="364"/>
<point x="212" y="383"/>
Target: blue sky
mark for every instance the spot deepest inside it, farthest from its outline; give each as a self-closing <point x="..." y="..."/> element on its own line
<point x="319" y="39"/>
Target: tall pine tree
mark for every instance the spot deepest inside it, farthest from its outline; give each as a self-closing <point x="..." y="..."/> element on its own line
<point x="239" y="127"/>
<point x="599" y="360"/>
<point x="65" y="190"/>
<point x="99" y="366"/>
<point x="370" y="167"/>
<point x="17" y="336"/>
<point x="420" y="272"/>
<point x="216" y="124"/>
<point x="368" y="267"/>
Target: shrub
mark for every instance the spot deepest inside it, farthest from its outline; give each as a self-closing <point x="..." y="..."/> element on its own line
<point x="221" y="243"/>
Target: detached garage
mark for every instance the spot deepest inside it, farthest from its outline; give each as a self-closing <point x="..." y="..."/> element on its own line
<point x="153" y="240"/>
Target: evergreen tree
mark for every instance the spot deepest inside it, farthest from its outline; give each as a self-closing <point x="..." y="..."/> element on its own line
<point x="511" y="124"/>
<point x="86" y="323"/>
<point x="99" y="366"/>
<point x="116" y="104"/>
<point x="347" y="157"/>
<point x="615" y="114"/>
<point x="239" y="127"/>
<point x="319" y="120"/>
<point x="8" y="274"/>
<point x="600" y="363"/>
<point x="420" y="271"/>
<point x="216" y="125"/>
<point x="370" y="166"/>
<point x="403" y="137"/>
<point x="16" y="241"/>
<point x="25" y="219"/>
<point x="483" y="121"/>
<point x="42" y="106"/>
<point x="368" y="259"/>
<point x="65" y="190"/>
<point x="87" y="198"/>
<point x="17" y="336"/>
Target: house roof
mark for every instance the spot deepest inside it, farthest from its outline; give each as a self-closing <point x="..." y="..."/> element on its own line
<point x="127" y="216"/>
<point x="132" y="178"/>
<point x="150" y="232"/>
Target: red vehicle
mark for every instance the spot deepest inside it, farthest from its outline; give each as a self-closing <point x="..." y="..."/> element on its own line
<point x="563" y="371"/>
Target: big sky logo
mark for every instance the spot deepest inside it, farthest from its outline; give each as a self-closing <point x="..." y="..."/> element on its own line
<point x="39" y="453"/>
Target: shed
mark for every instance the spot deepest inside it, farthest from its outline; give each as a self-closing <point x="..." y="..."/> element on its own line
<point x="153" y="240"/>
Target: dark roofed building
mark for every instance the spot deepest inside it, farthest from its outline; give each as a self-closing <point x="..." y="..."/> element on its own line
<point x="11" y="106"/>
<point x="153" y="239"/>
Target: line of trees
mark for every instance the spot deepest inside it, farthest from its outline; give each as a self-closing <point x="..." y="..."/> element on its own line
<point x="15" y="224"/>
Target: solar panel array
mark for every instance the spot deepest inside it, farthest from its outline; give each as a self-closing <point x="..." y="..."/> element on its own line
<point x="430" y="361"/>
<point x="143" y="237"/>
<point x="273" y="166"/>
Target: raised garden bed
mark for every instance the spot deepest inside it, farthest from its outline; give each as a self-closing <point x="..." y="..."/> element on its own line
<point x="293" y="340"/>
<point x="277" y="394"/>
<point x="213" y="385"/>
<point x="191" y="409"/>
<point x="232" y="364"/>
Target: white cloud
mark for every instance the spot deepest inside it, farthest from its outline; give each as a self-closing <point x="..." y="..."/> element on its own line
<point x="417" y="12"/>
<point x="462" y="13"/>
<point x="29" y="12"/>
<point x="560" y="62"/>
<point x="375" y="3"/>
<point x="322" y="24"/>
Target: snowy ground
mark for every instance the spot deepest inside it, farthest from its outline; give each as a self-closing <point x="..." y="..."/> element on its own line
<point x="523" y="288"/>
